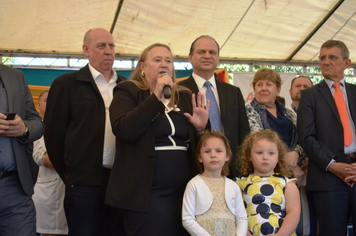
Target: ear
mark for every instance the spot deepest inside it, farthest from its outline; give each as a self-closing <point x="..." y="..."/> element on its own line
<point x="227" y="158"/>
<point x="347" y="63"/>
<point x="190" y="58"/>
<point x="85" y="50"/>
<point x="290" y="92"/>
<point x="199" y="159"/>
<point x="142" y="66"/>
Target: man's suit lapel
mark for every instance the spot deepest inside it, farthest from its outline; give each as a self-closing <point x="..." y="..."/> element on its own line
<point x="190" y="83"/>
<point x="325" y="91"/>
<point x="5" y="78"/>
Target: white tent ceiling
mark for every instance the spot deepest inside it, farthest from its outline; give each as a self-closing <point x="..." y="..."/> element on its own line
<point x="277" y="31"/>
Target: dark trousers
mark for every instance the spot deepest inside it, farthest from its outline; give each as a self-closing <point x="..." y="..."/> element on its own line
<point x="333" y="209"/>
<point x="17" y="210"/>
<point x="87" y="214"/>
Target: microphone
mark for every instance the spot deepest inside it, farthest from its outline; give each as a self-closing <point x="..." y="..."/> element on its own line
<point x="166" y="88"/>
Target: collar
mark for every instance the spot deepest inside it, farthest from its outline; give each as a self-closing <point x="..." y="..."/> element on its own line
<point x="167" y="108"/>
<point x="257" y="106"/>
<point x="96" y="74"/>
<point x="330" y="82"/>
<point x="200" y="81"/>
<point x="293" y="107"/>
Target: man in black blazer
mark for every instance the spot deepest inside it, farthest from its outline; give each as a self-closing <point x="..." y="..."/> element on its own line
<point x="79" y="138"/>
<point x="18" y="171"/>
<point x="204" y="57"/>
<point x="322" y="137"/>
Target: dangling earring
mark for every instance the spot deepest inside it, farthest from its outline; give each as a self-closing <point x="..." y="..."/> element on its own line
<point x="143" y="74"/>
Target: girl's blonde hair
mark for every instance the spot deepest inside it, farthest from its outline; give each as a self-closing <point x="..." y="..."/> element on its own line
<point x="140" y="80"/>
<point x="202" y="141"/>
<point x="245" y="152"/>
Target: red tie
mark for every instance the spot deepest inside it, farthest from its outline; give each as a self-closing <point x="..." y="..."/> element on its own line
<point x="341" y="107"/>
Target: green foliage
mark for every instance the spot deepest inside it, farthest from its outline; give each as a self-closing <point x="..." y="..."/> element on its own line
<point x="351" y="80"/>
<point x="235" y="67"/>
<point x="313" y="70"/>
<point x="7" y="60"/>
<point x="281" y="69"/>
<point x="314" y="73"/>
<point x="316" y="79"/>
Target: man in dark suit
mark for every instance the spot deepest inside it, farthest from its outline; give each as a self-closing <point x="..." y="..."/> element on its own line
<point x="79" y="138"/>
<point x="231" y="113"/>
<point x="324" y="137"/>
<point x="18" y="171"/>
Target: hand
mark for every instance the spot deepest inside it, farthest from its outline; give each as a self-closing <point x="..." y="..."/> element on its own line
<point x="4" y="124"/>
<point x="47" y="162"/>
<point x="200" y="113"/>
<point x="344" y="172"/>
<point x="291" y="160"/>
<point x="299" y="174"/>
<point x="11" y="128"/>
<point x="304" y="167"/>
<point x="160" y="83"/>
<point x="351" y="179"/>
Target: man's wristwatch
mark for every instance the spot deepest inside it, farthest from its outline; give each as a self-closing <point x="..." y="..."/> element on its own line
<point x="26" y="132"/>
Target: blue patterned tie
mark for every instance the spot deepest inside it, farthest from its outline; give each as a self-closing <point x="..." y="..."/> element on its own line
<point x="214" y="114"/>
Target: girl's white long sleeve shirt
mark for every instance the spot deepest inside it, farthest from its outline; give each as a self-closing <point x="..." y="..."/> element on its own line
<point x="198" y="199"/>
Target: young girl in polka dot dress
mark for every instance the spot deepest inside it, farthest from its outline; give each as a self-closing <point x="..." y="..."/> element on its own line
<point x="271" y="197"/>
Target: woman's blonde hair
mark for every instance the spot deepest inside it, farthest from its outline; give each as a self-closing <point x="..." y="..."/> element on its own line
<point x="245" y="152"/>
<point x="266" y="73"/>
<point x="202" y="141"/>
<point x="140" y="80"/>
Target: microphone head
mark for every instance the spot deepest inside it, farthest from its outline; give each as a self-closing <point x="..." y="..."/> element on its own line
<point x="166" y="88"/>
<point x="167" y="92"/>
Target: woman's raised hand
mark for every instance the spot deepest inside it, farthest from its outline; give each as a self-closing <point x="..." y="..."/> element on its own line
<point x="200" y="116"/>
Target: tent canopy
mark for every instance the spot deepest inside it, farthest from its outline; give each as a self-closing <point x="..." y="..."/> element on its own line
<point x="248" y="31"/>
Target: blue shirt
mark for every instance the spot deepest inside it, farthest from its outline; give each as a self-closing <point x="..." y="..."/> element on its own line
<point x="7" y="156"/>
<point x="282" y="125"/>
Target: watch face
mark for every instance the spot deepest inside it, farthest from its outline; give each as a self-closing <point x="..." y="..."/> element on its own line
<point x="26" y="131"/>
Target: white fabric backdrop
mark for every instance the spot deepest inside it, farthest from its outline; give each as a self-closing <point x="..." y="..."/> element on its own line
<point x="244" y="82"/>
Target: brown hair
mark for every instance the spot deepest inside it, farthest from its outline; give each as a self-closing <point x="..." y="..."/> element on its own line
<point x="202" y="141"/>
<point x="246" y="147"/>
<point x="192" y="46"/>
<point x="266" y="73"/>
<point x="46" y="91"/>
<point x="291" y="84"/>
<point x="336" y="43"/>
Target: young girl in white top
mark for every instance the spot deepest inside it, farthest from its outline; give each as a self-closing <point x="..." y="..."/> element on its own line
<point x="271" y="197"/>
<point x="212" y="204"/>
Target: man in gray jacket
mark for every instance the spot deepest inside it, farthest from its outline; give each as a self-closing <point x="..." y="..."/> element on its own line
<point x="18" y="171"/>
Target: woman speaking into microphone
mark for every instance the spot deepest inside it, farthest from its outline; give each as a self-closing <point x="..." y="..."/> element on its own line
<point x="155" y="145"/>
